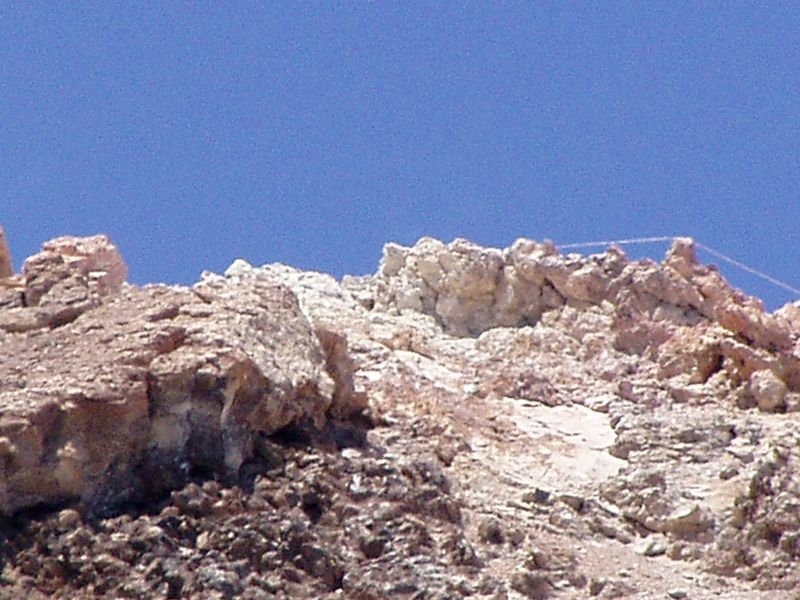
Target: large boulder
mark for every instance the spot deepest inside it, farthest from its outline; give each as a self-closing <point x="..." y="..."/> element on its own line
<point x="110" y="391"/>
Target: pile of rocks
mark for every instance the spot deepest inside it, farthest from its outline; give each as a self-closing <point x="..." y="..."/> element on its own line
<point x="468" y="422"/>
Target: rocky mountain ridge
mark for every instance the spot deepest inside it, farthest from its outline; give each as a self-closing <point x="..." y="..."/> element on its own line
<point x="468" y="422"/>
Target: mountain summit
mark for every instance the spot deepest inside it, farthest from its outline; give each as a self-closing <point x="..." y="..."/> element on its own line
<point x="468" y="422"/>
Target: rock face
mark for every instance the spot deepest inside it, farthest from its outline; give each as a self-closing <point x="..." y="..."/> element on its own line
<point x="468" y="422"/>
<point x="111" y="391"/>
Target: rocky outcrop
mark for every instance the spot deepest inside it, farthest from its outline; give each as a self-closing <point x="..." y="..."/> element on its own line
<point x="656" y="309"/>
<point x="469" y="289"/>
<point x="468" y="422"/>
<point x="110" y="391"/>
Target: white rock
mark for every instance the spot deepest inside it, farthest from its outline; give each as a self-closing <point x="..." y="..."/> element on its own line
<point x="768" y="390"/>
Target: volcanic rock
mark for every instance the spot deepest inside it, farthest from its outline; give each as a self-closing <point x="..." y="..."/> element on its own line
<point x="468" y="422"/>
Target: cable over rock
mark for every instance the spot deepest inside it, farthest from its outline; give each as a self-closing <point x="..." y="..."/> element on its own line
<point x="467" y="422"/>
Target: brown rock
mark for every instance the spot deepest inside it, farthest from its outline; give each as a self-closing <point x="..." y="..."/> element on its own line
<point x="490" y="530"/>
<point x="746" y="317"/>
<point x="69" y="277"/>
<point x="6" y="264"/>
<point x="691" y="350"/>
<point x="339" y="364"/>
<point x="544" y="424"/>
<point x="790" y="313"/>
<point x="94" y="263"/>
<point x="150" y="383"/>
<point x="69" y="518"/>
<point x="531" y="585"/>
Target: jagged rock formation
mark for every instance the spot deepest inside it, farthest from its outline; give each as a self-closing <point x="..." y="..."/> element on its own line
<point x="468" y="422"/>
<point x="151" y="384"/>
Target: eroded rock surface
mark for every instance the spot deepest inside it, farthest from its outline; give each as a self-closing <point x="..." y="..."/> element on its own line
<point x="468" y="422"/>
<point x="117" y="391"/>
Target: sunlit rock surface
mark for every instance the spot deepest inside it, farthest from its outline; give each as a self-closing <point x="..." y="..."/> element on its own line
<point x="467" y="422"/>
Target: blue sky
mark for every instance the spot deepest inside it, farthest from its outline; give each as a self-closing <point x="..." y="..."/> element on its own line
<point x="312" y="133"/>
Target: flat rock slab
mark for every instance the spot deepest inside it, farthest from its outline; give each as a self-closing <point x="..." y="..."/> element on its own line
<point x="562" y="449"/>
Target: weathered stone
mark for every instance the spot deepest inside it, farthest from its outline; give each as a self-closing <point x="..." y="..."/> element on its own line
<point x="490" y="530"/>
<point x="542" y="423"/>
<point x="69" y="518"/>
<point x="687" y="520"/>
<point x="746" y="317"/>
<point x="94" y="262"/>
<point x="6" y="264"/>
<point x="653" y="545"/>
<point x="151" y="384"/>
<point x="531" y="585"/>
<point x="768" y="390"/>
<point x="69" y="277"/>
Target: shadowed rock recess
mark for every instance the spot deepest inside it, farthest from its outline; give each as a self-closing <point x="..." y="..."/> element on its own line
<point x="468" y="422"/>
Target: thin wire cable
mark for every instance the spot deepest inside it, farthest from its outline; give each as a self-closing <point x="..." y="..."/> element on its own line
<point x="645" y="240"/>
<point x="750" y="270"/>
<point x="712" y="251"/>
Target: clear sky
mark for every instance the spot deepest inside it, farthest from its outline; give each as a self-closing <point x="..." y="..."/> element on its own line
<point x="311" y="133"/>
